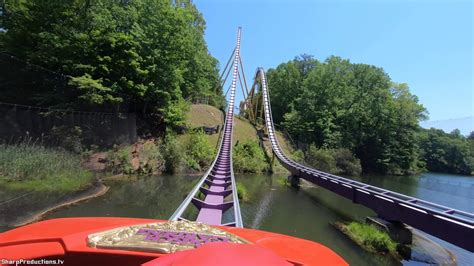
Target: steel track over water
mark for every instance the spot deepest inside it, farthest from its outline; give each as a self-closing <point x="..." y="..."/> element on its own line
<point x="454" y="226"/>
<point x="220" y="194"/>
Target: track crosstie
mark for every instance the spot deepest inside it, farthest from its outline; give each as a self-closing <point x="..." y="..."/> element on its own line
<point x="218" y="183"/>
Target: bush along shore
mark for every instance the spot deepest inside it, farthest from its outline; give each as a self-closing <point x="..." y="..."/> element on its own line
<point x="190" y="153"/>
<point x="369" y="238"/>
<point x="376" y="240"/>
<point x="30" y="166"/>
<point x="55" y="174"/>
<point x="335" y="161"/>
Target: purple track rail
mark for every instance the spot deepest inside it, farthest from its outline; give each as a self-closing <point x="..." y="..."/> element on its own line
<point x="454" y="226"/>
<point x="218" y="183"/>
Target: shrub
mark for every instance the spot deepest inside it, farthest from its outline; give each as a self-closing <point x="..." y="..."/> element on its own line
<point x="68" y="138"/>
<point x="321" y="159"/>
<point x="297" y="156"/>
<point x="371" y="237"/>
<point x="172" y="153"/>
<point x="140" y="158"/>
<point x="249" y="157"/>
<point x="346" y="162"/>
<point x="151" y="159"/>
<point x="335" y="161"/>
<point x="242" y="192"/>
<point x="119" y="160"/>
<point x="34" y="167"/>
<point x="283" y="181"/>
<point x="199" y="152"/>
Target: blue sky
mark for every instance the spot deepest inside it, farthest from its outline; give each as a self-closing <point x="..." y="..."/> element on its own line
<point x="427" y="44"/>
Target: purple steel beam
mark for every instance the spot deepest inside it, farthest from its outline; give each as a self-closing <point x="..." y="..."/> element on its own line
<point x="220" y="177"/>
<point x="223" y="193"/>
<point x="217" y="183"/>
<point x="213" y="202"/>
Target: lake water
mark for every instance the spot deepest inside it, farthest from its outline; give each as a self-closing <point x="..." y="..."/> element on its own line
<point x="307" y="213"/>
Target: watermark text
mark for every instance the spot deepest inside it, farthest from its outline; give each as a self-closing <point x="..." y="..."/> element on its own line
<point x="32" y="262"/>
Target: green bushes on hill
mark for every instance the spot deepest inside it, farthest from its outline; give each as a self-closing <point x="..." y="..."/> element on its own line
<point x="335" y="161"/>
<point x="199" y="152"/>
<point x="172" y="153"/>
<point x="144" y="157"/>
<point x="157" y="156"/>
<point x="321" y="159"/>
<point x="248" y="157"/>
<point x="119" y="160"/>
<point x="346" y="162"/>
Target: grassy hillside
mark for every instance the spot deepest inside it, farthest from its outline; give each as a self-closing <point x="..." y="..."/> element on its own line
<point x="243" y="131"/>
<point x="284" y="143"/>
<point x="205" y="115"/>
<point x="200" y="115"/>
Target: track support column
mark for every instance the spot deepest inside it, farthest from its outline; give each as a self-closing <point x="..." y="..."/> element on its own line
<point x="294" y="181"/>
<point x="398" y="231"/>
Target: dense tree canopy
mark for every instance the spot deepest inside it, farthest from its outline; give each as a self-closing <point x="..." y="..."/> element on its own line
<point x="339" y="104"/>
<point x="150" y="53"/>
<point x="445" y="152"/>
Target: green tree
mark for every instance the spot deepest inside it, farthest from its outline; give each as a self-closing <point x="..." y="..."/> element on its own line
<point x="443" y="152"/>
<point x="337" y="104"/>
<point x="286" y="83"/>
<point x="286" y="79"/>
<point x="150" y="53"/>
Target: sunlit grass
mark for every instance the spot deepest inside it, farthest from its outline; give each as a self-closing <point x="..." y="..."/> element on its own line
<point x="34" y="167"/>
<point x="243" y="131"/>
<point x="203" y="115"/>
<point x="370" y="237"/>
<point x="242" y="192"/>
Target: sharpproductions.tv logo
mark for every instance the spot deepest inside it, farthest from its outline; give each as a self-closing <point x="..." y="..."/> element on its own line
<point x="31" y="262"/>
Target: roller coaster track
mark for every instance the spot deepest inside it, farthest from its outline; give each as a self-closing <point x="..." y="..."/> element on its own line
<point x="218" y="183"/>
<point x="449" y="224"/>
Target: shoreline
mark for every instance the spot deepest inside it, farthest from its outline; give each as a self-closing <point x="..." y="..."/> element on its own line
<point x="422" y="250"/>
<point x="95" y="191"/>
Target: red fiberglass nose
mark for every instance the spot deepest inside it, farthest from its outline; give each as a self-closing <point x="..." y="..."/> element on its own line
<point x="221" y="253"/>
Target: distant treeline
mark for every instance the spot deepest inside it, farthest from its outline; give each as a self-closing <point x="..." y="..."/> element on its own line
<point x="447" y="152"/>
<point x="141" y="56"/>
<point x="337" y="104"/>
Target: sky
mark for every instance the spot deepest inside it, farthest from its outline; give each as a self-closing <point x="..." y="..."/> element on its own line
<point x="426" y="44"/>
